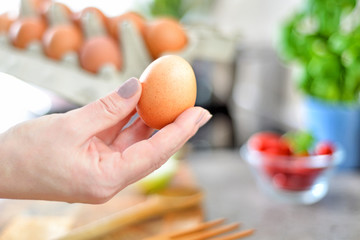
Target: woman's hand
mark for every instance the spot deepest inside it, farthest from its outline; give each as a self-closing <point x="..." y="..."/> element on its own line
<point x="86" y="155"/>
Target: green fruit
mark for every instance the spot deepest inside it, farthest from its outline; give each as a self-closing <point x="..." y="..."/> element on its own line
<point x="160" y="178"/>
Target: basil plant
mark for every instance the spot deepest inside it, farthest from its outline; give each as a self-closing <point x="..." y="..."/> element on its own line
<point x="323" y="40"/>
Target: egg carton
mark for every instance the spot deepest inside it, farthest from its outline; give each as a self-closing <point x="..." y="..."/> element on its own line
<point x="66" y="77"/>
<point x="69" y="80"/>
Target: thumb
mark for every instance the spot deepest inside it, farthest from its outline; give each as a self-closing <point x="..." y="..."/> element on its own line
<point x="107" y="111"/>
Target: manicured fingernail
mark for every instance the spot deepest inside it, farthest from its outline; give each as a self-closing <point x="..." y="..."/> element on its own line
<point x="204" y="118"/>
<point x="129" y="88"/>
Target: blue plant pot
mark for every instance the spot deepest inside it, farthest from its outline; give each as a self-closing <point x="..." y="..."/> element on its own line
<point x="339" y="123"/>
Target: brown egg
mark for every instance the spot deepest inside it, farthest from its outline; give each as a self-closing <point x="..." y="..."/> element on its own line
<point x="79" y="15"/>
<point x="135" y="18"/>
<point x="61" y="39"/>
<point x="98" y="51"/>
<point x="5" y="22"/>
<point x="26" y="30"/>
<point x="168" y="89"/>
<point x="164" y="35"/>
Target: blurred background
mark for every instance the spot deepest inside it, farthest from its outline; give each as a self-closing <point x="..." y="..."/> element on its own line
<point x="247" y="90"/>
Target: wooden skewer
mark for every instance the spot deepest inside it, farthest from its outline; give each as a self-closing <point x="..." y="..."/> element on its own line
<point x="197" y="228"/>
<point x="209" y="233"/>
<point x="154" y="206"/>
<point x="181" y="233"/>
<point x="236" y="235"/>
<point x="205" y="231"/>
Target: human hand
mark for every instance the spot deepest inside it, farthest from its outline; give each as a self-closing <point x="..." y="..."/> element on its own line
<point x="86" y="155"/>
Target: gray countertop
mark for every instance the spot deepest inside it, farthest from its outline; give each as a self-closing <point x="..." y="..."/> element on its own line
<point x="231" y="192"/>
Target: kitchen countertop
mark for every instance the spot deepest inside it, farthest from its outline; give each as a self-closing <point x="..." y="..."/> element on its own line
<point x="231" y="192"/>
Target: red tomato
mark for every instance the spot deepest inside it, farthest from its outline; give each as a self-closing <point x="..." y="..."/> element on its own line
<point x="295" y="179"/>
<point x="285" y="147"/>
<point x="276" y="151"/>
<point x="280" y="180"/>
<point x="270" y="143"/>
<point x="293" y="182"/>
<point x="261" y="141"/>
<point x="277" y="147"/>
<point x="324" y="148"/>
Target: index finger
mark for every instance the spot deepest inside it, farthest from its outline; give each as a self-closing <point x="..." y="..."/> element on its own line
<point x="148" y="155"/>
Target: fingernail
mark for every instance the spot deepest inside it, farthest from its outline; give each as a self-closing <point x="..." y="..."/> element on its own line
<point x="203" y="118"/>
<point x="129" y="88"/>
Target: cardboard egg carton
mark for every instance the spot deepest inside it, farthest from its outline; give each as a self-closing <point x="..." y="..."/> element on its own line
<point x="70" y="81"/>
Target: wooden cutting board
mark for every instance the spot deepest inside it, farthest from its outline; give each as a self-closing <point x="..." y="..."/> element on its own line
<point x="20" y="219"/>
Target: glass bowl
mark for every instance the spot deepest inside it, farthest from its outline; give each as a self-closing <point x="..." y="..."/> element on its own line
<point x="292" y="179"/>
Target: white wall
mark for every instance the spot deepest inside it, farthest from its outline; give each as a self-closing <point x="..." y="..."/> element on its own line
<point x="256" y="20"/>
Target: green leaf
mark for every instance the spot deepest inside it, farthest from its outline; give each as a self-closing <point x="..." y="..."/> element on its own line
<point x="326" y="89"/>
<point x="327" y="66"/>
<point x="352" y="82"/>
<point x="338" y="42"/>
<point x="304" y="80"/>
<point x="351" y="54"/>
<point x="300" y="141"/>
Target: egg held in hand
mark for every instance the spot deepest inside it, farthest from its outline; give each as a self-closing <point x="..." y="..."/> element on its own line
<point x="168" y="89"/>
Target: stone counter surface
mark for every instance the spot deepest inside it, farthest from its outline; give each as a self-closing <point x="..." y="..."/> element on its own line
<point x="231" y="192"/>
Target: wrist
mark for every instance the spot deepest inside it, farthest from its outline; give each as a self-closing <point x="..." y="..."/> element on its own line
<point x="6" y="166"/>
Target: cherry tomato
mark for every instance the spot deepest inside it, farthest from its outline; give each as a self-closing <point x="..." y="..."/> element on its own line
<point x="263" y="140"/>
<point x="324" y="148"/>
<point x="270" y="143"/>
<point x="295" y="179"/>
